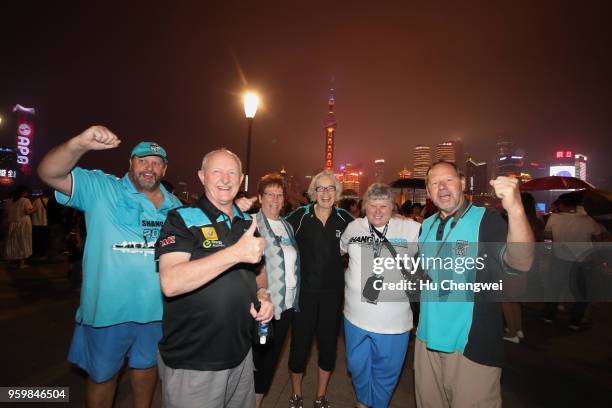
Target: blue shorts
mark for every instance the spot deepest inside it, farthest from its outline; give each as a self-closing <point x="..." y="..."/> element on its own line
<point x="375" y="362"/>
<point x="101" y="351"/>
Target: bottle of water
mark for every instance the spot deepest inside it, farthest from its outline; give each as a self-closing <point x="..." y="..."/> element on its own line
<point x="262" y="331"/>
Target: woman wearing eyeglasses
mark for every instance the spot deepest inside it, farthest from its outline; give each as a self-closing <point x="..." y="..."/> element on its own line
<point x="318" y="228"/>
<point x="279" y="277"/>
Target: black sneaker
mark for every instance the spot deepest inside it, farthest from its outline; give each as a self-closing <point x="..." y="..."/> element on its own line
<point x="296" y="401"/>
<point x="321" y="402"/>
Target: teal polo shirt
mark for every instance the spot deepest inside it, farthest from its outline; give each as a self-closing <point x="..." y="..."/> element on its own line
<point x="120" y="281"/>
<point x="459" y="321"/>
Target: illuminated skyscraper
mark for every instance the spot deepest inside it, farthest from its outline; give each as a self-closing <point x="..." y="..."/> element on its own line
<point x="581" y="166"/>
<point x="476" y="181"/>
<point x="350" y="178"/>
<point x="330" y="129"/>
<point x="421" y="161"/>
<point x="504" y="147"/>
<point x="446" y="151"/>
<point x="510" y="165"/>
<point x="564" y="164"/>
<point x="379" y="171"/>
<point x="505" y="150"/>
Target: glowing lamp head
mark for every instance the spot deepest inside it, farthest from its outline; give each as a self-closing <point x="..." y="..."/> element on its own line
<point x="251" y="100"/>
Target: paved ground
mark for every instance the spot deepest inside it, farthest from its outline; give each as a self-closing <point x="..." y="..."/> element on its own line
<point x="554" y="367"/>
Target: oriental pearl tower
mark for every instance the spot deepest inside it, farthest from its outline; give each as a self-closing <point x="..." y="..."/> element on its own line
<point x="330" y="125"/>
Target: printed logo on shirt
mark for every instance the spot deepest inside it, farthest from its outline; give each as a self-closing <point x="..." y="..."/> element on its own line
<point x="461" y="247"/>
<point x="134" y="247"/>
<point x="212" y="243"/>
<point x="210" y="233"/>
<point x="168" y="241"/>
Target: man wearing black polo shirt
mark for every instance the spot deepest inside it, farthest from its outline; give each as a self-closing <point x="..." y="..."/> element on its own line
<point x="207" y="254"/>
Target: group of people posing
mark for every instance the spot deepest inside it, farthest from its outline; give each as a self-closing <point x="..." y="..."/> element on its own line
<point x="180" y="290"/>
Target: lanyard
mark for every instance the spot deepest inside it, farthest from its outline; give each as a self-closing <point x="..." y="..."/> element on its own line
<point x="277" y="239"/>
<point x="453" y="225"/>
<point x="377" y="245"/>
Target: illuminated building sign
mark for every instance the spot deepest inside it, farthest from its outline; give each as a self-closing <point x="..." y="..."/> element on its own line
<point x="565" y="171"/>
<point x="8" y="166"/>
<point x="25" y="137"/>
<point x="564" y="154"/>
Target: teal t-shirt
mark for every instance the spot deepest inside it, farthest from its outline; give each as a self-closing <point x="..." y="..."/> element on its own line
<point x="446" y="316"/>
<point x="120" y="281"/>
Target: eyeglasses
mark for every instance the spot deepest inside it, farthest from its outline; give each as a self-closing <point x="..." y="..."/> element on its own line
<point x="321" y="189"/>
<point x="274" y="195"/>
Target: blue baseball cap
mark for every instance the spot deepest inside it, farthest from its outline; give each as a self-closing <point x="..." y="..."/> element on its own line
<point x="143" y="149"/>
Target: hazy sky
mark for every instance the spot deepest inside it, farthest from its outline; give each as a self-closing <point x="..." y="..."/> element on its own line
<point x="405" y="73"/>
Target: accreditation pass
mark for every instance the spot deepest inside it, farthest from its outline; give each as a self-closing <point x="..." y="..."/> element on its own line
<point x="34" y="394"/>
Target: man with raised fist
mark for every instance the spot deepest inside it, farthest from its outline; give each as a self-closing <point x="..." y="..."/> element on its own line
<point x="459" y="346"/>
<point x="207" y="256"/>
<point x="121" y="304"/>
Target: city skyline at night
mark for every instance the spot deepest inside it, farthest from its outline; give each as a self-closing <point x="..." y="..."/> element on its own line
<point x="536" y="75"/>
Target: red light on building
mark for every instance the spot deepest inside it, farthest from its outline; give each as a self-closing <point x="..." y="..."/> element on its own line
<point x="569" y="154"/>
<point x="559" y="154"/>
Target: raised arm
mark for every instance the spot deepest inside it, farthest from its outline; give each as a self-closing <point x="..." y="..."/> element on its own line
<point x="520" y="248"/>
<point x="55" y="167"/>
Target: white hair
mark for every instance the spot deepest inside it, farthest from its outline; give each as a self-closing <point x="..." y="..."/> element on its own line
<point x="315" y="183"/>
<point x="378" y="191"/>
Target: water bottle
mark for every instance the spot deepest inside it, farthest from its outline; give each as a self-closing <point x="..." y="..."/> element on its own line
<point x="262" y="331"/>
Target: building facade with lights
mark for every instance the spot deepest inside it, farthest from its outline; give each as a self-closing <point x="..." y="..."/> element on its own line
<point x="379" y="170"/>
<point x="446" y="151"/>
<point x="421" y="160"/>
<point x="350" y="178"/>
<point x="581" y="166"/>
<point x="510" y="165"/>
<point x="564" y="164"/>
<point x="476" y="180"/>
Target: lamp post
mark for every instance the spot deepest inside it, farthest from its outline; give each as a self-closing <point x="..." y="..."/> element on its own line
<point x="250" y="100"/>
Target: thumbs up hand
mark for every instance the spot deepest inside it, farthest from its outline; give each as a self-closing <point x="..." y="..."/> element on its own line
<point x="250" y="248"/>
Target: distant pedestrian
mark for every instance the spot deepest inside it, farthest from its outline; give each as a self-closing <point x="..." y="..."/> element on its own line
<point x="40" y="236"/>
<point x="18" y="244"/>
<point x="572" y="233"/>
<point x="512" y="310"/>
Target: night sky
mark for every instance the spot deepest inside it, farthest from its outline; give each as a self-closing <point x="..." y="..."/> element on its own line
<point x="406" y="73"/>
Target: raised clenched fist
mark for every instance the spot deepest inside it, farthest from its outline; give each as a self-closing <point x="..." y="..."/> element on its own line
<point x="507" y="189"/>
<point x="97" y="138"/>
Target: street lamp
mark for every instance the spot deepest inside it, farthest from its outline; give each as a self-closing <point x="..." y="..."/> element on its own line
<point x="250" y="100"/>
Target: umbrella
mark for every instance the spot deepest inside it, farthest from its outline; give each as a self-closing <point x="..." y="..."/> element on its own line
<point x="595" y="202"/>
<point x="555" y="183"/>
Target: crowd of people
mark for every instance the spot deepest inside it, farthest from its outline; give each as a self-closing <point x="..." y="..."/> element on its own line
<point x="179" y="290"/>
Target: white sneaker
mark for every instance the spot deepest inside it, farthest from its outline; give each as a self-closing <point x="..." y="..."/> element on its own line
<point x="520" y="334"/>
<point x="514" y="339"/>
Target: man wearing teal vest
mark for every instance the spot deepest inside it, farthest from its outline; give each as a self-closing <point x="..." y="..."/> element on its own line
<point x="459" y="346"/>
<point x="120" y="313"/>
